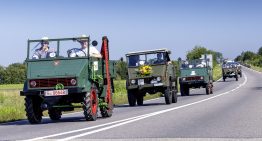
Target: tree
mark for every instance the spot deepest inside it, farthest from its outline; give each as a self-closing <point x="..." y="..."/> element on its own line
<point x="2" y="75"/>
<point x="260" y="51"/>
<point x="248" y="55"/>
<point x="121" y="68"/>
<point x="15" y="73"/>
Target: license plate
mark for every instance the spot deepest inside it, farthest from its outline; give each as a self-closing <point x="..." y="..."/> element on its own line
<point x="158" y="84"/>
<point x="56" y="92"/>
<point x="141" y="82"/>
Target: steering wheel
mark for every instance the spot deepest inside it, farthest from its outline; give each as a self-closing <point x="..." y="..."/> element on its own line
<point x="76" y="52"/>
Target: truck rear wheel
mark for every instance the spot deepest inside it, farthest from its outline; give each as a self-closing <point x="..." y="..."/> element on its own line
<point x="131" y="97"/>
<point x="90" y="104"/>
<point x="54" y="113"/>
<point x="107" y="111"/>
<point x="236" y="77"/>
<point x="33" y="109"/>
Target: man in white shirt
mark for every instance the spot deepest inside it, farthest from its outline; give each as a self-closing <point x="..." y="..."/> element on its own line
<point x="93" y="52"/>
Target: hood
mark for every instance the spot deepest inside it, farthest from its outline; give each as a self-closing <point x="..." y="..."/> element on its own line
<point x="55" y="68"/>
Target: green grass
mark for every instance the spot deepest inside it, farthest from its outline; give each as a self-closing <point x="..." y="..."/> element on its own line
<point x="11" y="106"/>
<point x="217" y="72"/>
<point x="256" y="68"/>
<point x="11" y="86"/>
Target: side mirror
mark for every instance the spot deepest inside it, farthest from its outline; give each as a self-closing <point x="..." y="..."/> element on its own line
<point x="94" y="43"/>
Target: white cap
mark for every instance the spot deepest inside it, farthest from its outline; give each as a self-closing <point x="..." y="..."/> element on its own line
<point x="44" y="38"/>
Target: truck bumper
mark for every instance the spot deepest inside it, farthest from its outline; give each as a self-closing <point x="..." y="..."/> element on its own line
<point x="146" y="86"/>
<point x="41" y="92"/>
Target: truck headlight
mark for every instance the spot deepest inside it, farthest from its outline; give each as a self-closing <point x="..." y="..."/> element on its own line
<point x="184" y="79"/>
<point x="158" y="78"/>
<point x="73" y="82"/>
<point x="133" y="81"/>
<point x="32" y="83"/>
<point x="201" y="77"/>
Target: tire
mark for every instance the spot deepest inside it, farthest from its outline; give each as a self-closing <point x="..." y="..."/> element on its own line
<point x="224" y="79"/>
<point x="54" y="113"/>
<point x="108" y="111"/>
<point x="131" y="97"/>
<point x="174" y="96"/>
<point x="90" y="104"/>
<point x="182" y="90"/>
<point x="168" y="95"/>
<point x="187" y="92"/>
<point x="33" y="109"/>
<point x="208" y="89"/>
<point x="240" y="74"/>
<point x="236" y="77"/>
<point x="140" y="99"/>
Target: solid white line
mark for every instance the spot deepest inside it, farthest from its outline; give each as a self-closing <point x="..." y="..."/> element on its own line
<point x="153" y="114"/>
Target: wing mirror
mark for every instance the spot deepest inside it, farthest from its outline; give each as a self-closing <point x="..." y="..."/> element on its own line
<point x="94" y="43"/>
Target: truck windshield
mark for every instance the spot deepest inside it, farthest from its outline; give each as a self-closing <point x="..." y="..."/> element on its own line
<point x="199" y="63"/>
<point x="147" y="59"/>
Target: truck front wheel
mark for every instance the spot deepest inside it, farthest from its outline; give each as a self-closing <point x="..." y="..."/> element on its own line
<point x="33" y="109"/>
<point x="54" y="113"/>
<point x="131" y="97"/>
<point x="140" y="99"/>
<point x="90" y="104"/>
<point x="168" y="95"/>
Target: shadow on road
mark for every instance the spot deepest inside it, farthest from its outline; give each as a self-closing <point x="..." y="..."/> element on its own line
<point x="227" y="80"/>
<point x="145" y="104"/>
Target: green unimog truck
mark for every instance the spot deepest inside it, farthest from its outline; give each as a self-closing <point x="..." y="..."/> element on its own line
<point x="150" y="72"/>
<point x="196" y="74"/>
<point x="62" y="81"/>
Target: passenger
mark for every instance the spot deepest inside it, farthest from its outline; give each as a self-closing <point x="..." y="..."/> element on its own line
<point x="43" y="52"/>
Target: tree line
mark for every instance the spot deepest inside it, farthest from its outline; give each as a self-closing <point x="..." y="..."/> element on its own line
<point x="251" y="58"/>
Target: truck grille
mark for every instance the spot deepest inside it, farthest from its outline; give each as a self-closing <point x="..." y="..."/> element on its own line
<point x="193" y="78"/>
<point x="50" y="82"/>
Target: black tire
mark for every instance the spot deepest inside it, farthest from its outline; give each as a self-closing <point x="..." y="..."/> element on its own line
<point x="168" y="95"/>
<point x="224" y="79"/>
<point x="108" y="111"/>
<point x="240" y="74"/>
<point x="33" y="109"/>
<point x="187" y="91"/>
<point x="140" y="99"/>
<point x="131" y="97"/>
<point x="174" y="96"/>
<point x="90" y="104"/>
<point x="208" y="89"/>
<point x="182" y="90"/>
<point x="236" y="77"/>
<point x="54" y="113"/>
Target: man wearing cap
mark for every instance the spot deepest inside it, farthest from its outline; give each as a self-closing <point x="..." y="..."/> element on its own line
<point x="93" y="52"/>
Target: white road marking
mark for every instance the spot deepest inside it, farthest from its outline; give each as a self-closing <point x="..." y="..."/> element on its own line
<point x="133" y="119"/>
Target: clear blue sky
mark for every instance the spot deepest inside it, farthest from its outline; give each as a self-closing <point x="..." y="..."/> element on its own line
<point x="227" y="26"/>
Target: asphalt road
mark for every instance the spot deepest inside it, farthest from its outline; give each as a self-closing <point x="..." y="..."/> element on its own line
<point x="234" y="111"/>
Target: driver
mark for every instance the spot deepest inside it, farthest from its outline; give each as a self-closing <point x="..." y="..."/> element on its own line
<point x="93" y="52"/>
<point x="160" y="59"/>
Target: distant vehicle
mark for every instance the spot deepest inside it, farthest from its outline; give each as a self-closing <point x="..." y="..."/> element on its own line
<point x="150" y="72"/>
<point x="56" y="83"/>
<point x="196" y="74"/>
<point x="231" y="70"/>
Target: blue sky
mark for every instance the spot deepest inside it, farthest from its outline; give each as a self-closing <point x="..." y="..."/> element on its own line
<point x="227" y="26"/>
